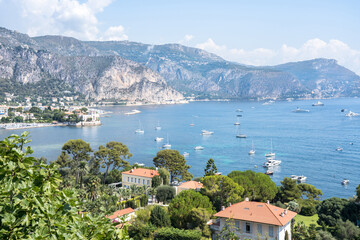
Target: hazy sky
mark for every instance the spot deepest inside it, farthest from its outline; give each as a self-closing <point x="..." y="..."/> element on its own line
<point x="255" y="32"/>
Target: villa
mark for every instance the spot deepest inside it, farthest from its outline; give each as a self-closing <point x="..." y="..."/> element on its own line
<point x="254" y="220"/>
<point x="189" y="185"/>
<point x="138" y="176"/>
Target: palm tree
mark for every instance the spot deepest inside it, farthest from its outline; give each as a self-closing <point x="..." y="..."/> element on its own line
<point x="133" y="189"/>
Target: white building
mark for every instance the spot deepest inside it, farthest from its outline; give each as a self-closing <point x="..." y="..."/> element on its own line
<point x="138" y="176"/>
<point x="254" y="220"/>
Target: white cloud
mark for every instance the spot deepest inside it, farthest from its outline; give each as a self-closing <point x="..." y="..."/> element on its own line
<point x="187" y="38"/>
<point x="313" y="48"/>
<point x="64" y="17"/>
<point x="115" y="33"/>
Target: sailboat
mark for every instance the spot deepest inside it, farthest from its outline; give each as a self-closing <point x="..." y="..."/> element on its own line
<point x="239" y="135"/>
<point x="252" y="151"/>
<point x="237" y="122"/>
<point x="271" y="154"/>
<point x="167" y="144"/>
<point x="139" y="130"/>
<point x="158" y="126"/>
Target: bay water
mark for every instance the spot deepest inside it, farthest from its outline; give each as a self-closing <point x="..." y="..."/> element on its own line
<point x="305" y="142"/>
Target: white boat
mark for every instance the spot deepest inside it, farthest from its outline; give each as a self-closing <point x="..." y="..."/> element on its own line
<point x="252" y="151"/>
<point x="135" y="111"/>
<point x="294" y="177"/>
<point x="239" y="110"/>
<point x="270" y="154"/>
<point x="199" y="148"/>
<point x="139" y="130"/>
<point x="158" y="139"/>
<point x="185" y="154"/>
<point x="345" y="182"/>
<point x="268" y="172"/>
<point x="158" y="126"/>
<point x="167" y="145"/>
<point x="206" y="132"/>
<point x="237" y="122"/>
<point x="351" y="114"/>
<point x="301" y="179"/>
<point x="299" y="110"/>
<point x="318" y="104"/>
<point x="268" y="102"/>
<point x="272" y="163"/>
<point x="191" y="124"/>
<point x="140" y="164"/>
<point x="241" y="136"/>
<point x="339" y="149"/>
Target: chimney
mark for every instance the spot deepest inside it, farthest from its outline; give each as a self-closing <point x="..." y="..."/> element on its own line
<point x="285" y="211"/>
<point x="267" y="201"/>
<point x="156" y="169"/>
<point x="222" y="208"/>
<point x="246" y="199"/>
<point x="134" y="167"/>
<point x="131" y="170"/>
<point x="229" y="204"/>
<point x="282" y="214"/>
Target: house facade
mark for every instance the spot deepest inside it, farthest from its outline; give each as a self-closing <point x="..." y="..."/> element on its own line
<point x="138" y="176"/>
<point x="254" y="220"/>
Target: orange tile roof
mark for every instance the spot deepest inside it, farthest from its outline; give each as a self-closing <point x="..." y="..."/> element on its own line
<point x="120" y="213"/>
<point x="142" y="172"/>
<point x="191" y="185"/>
<point x="257" y="212"/>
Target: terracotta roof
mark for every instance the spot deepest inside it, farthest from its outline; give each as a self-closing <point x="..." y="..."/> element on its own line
<point x="257" y="212"/>
<point x="120" y="213"/>
<point x="191" y="185"/>
<point x="142" y="172"/>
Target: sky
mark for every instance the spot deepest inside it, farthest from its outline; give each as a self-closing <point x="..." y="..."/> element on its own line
<point x="253" y="32"/>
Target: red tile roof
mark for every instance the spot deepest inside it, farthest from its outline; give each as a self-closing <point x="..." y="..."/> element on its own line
<point x="257" y="212"/>
<point x="142" y="172"/>
<point x="191" y="185"/>
<point x="120" y="213"/>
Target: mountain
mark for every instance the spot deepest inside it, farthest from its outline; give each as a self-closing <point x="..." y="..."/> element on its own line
<point x="191" y="71"/>
<point x="194" y="71"/>
<point x="24" y="61"/>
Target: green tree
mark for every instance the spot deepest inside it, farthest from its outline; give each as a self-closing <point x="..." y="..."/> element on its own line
<point x="330" y="211"/>
<point x="113" y="154"/>
<point x="347" y="230"/>
<point x="324" y="235"/>
<point x="228" y="231"/>
<point x="165" y="176"/>
<point x="32" y="206"/>
<point x="210" y="168"/>
<point x="156" y="181"/>
<point x="174" y="162"/>
<point x="288" y="190"/>
<point x="257" y="186"/>
<point x="287" y="235"/>
<point x="309" y="191"/>
<point x="165" y="193"/>
<point x="198" y="220"/>
<point x="221" y="190"/>
<point x="181" y="206"/>
<point x="80" y="151"/>
<point x="159" y="217"/>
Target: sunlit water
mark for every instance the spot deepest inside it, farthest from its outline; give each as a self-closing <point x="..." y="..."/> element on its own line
<point x="304" y="142"/>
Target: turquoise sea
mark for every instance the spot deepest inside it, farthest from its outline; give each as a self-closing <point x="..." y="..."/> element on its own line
<point x="304" y="142"/>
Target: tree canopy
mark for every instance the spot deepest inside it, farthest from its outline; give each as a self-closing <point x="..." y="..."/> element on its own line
<point x="330" y="210"/>
<point x="165" y="193"/>
<point x="159" y="217"/>
<point x="32" y="205"/>
<point x="257" y="186"/>
<point x="181" y="206"/>
<point x="210" y="168"/>
<point x="221" y="190"/>
<point x="174" y="162"/>
<point x="288" y="190"/>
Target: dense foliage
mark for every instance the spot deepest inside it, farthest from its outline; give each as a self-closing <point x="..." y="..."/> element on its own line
<point x="165" y="193"/>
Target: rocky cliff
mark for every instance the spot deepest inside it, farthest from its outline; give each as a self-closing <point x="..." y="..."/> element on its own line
<point x="99" y="77"/>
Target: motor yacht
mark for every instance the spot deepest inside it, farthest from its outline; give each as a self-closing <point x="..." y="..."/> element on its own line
<point x="158" y="139"/>
<point x="272" y="163"/>
<point x="351" y="114"/>
<point x="206" y="132"/>
<point x="345" y="182"/>
<point x="318" y="104"/>
<point x="198" y="148"/>
<point x="299" y="110"/>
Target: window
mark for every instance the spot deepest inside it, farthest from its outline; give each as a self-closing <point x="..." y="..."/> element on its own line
<point x="132" y="179"/>
<point x="139" y="180"/>
<point x="248" y="228"/>
<point x="128" y="179"/>
<point x="148" y="182"/>
<point x="237" y="224"/>
<point x="259" y="228"/>
<point x="143" y="182"/>
<point x="271" y="231"/>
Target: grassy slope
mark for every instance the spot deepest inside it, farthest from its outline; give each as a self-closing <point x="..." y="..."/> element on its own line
<point x="307" y="220"/>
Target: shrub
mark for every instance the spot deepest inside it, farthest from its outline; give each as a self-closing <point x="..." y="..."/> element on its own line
<point x="131" y="204"/>
<point x="177" y="234"/>
<point x="308" y="210"/>
<point x="165" y="193"/>
<point x="159" y="217"/>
